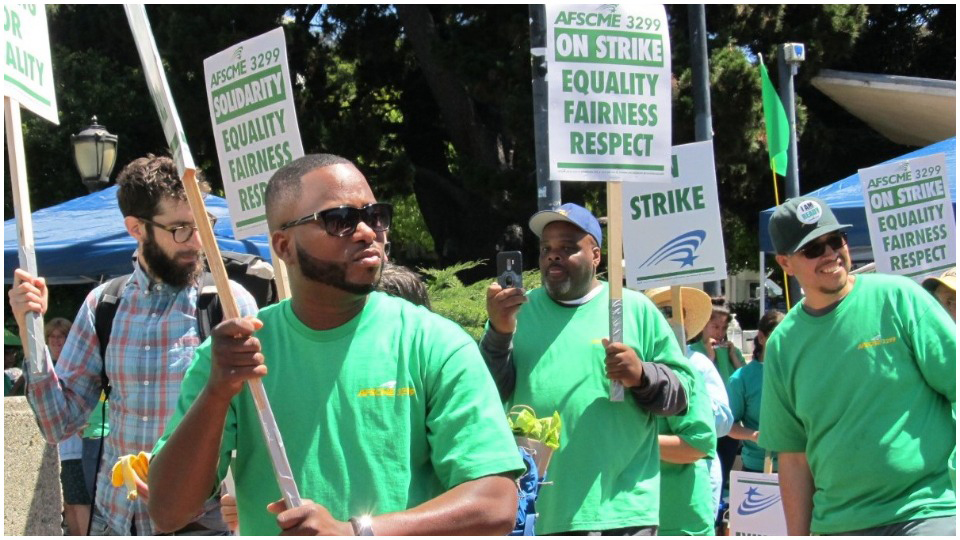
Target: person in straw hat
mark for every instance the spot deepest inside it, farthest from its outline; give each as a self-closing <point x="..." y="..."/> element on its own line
<point x="944" y="288"/>
<point x="690" y="475"/>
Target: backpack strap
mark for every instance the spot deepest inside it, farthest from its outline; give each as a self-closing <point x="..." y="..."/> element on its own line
<point x="106" y="310"/>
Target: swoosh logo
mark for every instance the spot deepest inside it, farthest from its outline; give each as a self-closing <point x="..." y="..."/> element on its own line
<point x="681" y="249"/>
<point x="756" y="503"/>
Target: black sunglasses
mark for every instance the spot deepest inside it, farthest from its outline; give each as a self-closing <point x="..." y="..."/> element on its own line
<point x="181" y="233"/>
<point x="343" y="220"/>
<point x="814" y="250"/>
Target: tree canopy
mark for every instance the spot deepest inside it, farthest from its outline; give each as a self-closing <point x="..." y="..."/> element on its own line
<point x="434" y="102"/>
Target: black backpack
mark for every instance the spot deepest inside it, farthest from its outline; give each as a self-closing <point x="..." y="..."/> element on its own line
<point x="250" y="271"/>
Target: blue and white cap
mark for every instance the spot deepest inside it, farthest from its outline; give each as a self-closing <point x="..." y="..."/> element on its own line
<point x="571" y="213"/>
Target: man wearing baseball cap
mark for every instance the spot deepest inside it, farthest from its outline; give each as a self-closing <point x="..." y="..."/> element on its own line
<point x="549" y="349"/>
<point x="859" y="391"/>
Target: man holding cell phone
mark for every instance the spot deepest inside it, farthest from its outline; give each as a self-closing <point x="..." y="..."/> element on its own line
<point x="549" y="349"/>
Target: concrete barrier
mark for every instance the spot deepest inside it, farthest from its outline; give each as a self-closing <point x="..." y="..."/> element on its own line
<point x="32" y="499"/>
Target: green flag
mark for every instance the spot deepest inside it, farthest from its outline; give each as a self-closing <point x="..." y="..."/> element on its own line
<point x="778" y="129"/>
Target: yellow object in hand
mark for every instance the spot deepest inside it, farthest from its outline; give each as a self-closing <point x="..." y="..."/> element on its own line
<point x="128" y="470"/>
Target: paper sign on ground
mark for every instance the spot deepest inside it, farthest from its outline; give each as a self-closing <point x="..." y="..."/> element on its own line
<point x="608" y="77"/>
<point x="159" y="89"/>
<point x="910" y="216"/>
<point x="254" y="123"/>
<point x="671" y="232"/>
<point x="28" y="71"/>
<point x="756" y="508"/>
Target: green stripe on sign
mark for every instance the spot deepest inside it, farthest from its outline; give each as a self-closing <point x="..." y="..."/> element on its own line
<point x="674" y="274"/>
<point x="757" y="482"/>
<point x="226" y="97"/>
<point x="246" y="222"/>
<point x="26" y="89"/>
<point x="929" y="270"/>
<point x="610" y="166"/>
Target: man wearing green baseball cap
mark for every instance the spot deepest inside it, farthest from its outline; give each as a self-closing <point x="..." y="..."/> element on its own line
<point x="859" y="391"/>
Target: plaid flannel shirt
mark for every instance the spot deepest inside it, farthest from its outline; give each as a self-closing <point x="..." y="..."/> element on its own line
<point x="151" y="346"/>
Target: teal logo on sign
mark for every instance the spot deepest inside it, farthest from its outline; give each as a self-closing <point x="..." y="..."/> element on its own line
<point x="681" y="249"/>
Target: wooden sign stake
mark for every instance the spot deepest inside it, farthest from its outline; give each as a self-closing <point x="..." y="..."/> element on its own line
<point x="21" y="208"/>
<point x="615" y="271"/>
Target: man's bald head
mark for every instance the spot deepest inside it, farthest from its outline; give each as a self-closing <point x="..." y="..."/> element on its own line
<point x="285" y="187"/>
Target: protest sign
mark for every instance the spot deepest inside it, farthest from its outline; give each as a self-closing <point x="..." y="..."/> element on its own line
<point x="28" y="71"/>
<point x="672" y="233"/>
<point x="163" y="100"/>
<point x="608" y="77"/>
<point x="910" y="216"/>
<point x="756" y="508"/>
<point x="254" y="123"/>
<point x="159" y="89"/>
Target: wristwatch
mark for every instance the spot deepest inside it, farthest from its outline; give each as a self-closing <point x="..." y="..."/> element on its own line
<point x="362" y="526"/>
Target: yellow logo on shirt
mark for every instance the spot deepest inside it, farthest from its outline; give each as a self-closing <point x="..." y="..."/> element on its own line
<point x="387" y="389"/>
<point x="876" y="342"/>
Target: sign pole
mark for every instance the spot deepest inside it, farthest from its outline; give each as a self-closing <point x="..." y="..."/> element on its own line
<point x="615" y="271"/>
<point x="173" y="130"/>
<point x="676" y="319"/>
<point x="21" y="208"/>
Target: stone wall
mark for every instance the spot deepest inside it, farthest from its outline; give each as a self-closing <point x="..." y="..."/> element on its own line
<point x="32" y="499"/>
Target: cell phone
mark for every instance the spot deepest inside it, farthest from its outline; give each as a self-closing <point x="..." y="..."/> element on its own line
<point x="510" y="269"/>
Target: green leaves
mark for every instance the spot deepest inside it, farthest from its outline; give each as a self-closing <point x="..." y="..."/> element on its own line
<point x="523" y="421"/>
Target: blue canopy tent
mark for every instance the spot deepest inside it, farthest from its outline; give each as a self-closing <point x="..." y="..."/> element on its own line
<point x="845" y="198"/>
<point x="84" y="241"/>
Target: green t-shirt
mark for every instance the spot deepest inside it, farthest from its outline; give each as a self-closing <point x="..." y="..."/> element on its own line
<point x="378" y="415"/>
<point x="868" y="392"/>
<point x="744" y="391"/>
<point x="724" y="365"/>
<point x="686" y="495"/>
<point x="98" y="424"/>
<point x="605" y="475"/>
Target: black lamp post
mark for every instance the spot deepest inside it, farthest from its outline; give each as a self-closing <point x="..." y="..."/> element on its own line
<point x="94" y="153"/>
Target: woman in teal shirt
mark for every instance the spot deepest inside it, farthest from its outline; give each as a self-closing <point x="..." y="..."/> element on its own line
<point x="744" y="390"/>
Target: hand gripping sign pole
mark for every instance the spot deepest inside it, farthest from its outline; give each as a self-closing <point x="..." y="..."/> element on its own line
<point x="21" y="207"/>
<point x="160" y="91"/>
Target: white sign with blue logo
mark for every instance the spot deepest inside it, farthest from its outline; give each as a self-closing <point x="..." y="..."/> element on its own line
<point x="671" y="232"/>
<point x="756" y="508"/>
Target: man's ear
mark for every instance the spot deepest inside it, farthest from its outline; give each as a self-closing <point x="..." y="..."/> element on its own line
<point x="283" y="246"/>
<point x="784" y="263"/>
<point x="136" y="228"/>
<point x="596" y="256"/>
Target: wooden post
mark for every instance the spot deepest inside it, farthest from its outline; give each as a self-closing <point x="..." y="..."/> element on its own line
<point x="615" y="271"/>
<point x="281" y="465"/>
<point x="21" y="208"/>
<point x="676" y="308"/>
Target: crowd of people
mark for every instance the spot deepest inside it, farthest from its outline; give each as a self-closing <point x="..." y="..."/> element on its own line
<point x="392" y="416"/>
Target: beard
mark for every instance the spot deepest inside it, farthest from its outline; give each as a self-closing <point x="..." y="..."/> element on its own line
<point x="333" y="274"/>
<point x="166" y="268"/>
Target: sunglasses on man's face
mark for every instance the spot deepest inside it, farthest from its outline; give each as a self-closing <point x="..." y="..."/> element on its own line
<point x="343" y="220"/>
<point x="814" y="250"/>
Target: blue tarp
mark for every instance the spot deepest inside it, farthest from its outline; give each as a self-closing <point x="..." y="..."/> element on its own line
<point x="84" y="240"/>
<point x="845" y="197"/>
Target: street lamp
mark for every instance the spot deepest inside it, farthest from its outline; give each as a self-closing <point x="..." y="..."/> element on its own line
<point x="94" y="153"/>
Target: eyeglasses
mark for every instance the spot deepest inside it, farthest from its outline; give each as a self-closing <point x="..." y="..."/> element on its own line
<point x="343" y="220"/>
<point x="181" y="233"/>
<point x="814" y="250"/>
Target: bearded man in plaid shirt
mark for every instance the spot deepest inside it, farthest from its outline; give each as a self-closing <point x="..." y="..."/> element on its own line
<point x="151" y="344"/>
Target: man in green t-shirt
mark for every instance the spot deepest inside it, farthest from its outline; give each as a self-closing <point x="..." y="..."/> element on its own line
<point x="859" y="391"/>
<point x="388" y="417"/>
<point x="548" y="349"/>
